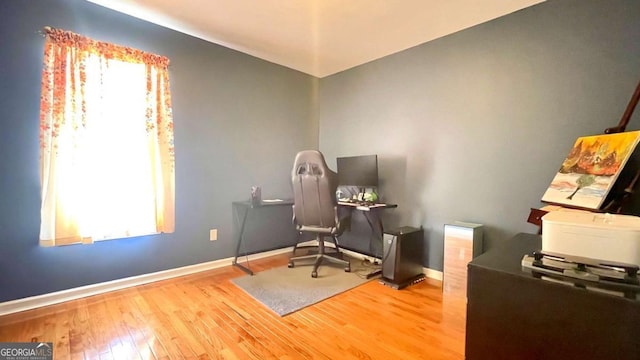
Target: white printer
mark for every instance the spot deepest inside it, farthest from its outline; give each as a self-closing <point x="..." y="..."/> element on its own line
<point x="601" y="236"/>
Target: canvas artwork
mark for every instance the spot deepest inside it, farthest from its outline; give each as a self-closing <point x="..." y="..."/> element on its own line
<point x="590" y="170"/>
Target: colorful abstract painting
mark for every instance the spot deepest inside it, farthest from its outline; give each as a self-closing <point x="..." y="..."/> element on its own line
<point x="590" y="170"/>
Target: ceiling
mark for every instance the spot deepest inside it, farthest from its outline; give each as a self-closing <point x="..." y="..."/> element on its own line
<point x="317" y="37"/>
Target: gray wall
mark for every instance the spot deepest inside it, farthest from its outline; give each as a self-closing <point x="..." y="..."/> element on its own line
<point x="239" y="121"/>
<point x="468" y="127"/>
<point x="474" y="126"/>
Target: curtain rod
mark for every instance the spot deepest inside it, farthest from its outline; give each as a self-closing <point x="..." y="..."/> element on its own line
<point x="48" y="29"/>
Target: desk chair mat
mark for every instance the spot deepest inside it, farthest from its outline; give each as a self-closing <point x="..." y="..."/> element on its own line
<point x="284" y="290"/>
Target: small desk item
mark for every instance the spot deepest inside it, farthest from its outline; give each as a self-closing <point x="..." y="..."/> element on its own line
<point x="369" y="210"/>
<point x="256" y="195"/>
<point x="243" y="210"/>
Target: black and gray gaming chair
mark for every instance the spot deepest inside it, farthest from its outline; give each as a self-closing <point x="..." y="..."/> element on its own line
<point x="315" y="207"/>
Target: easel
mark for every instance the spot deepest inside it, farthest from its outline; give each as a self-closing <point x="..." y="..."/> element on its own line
<point x="615" y="201"/>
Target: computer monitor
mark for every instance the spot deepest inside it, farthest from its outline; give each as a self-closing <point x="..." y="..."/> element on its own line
<point x="360" y="171"/>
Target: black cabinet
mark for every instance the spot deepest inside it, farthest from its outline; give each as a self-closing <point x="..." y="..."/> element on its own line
<point x="512" y="314"/>
<point x="402" y="259"/>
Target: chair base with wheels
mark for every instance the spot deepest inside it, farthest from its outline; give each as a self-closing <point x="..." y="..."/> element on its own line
<point x="322" y="256"/>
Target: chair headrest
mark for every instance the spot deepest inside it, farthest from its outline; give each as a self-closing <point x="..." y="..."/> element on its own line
<point x="309" y="162"/>
<point x="309" y="169"/>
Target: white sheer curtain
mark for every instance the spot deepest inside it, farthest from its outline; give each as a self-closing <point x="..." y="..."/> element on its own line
<point x="107" y="156"/>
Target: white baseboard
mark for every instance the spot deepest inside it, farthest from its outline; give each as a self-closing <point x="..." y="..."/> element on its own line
<point x="57" y="297"/>
<point x="14" y="306"/>
<point x="432" y="274"/>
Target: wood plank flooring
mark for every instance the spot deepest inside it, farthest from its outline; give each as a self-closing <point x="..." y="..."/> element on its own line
<point x="205" y="316"/>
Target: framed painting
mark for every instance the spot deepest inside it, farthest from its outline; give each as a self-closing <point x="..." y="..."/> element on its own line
<point x="590" y="170"/>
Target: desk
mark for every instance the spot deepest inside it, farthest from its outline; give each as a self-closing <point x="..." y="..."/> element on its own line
<point x="372" y="215"/>
<point x="270" y="218"/>
<point x="513" y="315"/>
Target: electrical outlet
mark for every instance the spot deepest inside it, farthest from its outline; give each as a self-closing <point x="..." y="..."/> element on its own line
<point x="213" y="234"/>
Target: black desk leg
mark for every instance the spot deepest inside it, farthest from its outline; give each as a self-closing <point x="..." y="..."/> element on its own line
<point x="239" y="241"/>
<point x="374" y="234"/>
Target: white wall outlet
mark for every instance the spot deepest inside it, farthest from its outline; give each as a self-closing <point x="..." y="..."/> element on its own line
<point x="213" y="234"/>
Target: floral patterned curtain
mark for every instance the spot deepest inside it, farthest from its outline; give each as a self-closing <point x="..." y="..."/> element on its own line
<point x="66" y="120"/>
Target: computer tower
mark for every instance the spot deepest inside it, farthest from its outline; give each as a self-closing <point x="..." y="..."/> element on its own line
<point x="402" y="257"/>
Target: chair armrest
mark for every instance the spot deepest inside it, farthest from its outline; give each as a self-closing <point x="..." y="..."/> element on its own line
<point x="293" y="217"/>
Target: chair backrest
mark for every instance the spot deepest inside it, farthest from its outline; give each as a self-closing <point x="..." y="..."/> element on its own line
<point x="314" y="191"/>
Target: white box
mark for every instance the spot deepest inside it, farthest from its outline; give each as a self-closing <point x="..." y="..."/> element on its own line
<point x="592" y="235"/>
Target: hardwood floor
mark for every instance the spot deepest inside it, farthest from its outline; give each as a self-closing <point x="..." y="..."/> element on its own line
<point x="205" y="316"/>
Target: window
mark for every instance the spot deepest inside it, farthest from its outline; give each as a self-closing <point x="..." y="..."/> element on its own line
<point x="106" y="142"/>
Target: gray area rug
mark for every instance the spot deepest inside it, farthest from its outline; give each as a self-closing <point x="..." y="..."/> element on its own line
<point x="285" y="290"/>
